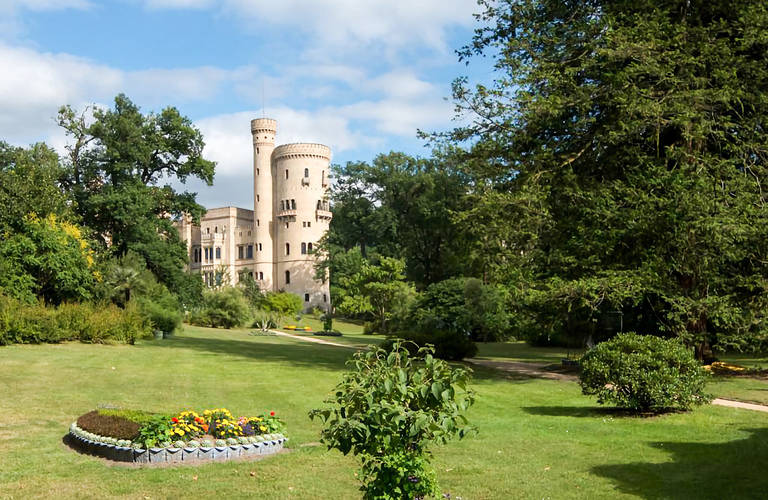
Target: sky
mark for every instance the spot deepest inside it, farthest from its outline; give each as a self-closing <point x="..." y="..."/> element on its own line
<point x="361" y="76"/>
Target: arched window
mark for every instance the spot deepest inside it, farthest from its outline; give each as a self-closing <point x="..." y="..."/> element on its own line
<point x="287" y="249"/>
<point x="287" y="277"/>
<point x="303" y="248"/>
<point x="306" y="172"/>
<point x="293" y="204"/>
<point x="309" y="247"/>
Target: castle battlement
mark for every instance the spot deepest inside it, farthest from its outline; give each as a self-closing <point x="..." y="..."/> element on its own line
<point x="302" y="150"/>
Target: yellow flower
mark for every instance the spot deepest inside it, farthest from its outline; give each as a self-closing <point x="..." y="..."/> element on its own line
<point x="262" y="428"/>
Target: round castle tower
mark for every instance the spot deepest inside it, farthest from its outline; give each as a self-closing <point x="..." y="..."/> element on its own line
<point x="291" y="213"/>
<point x="263" y="131"/>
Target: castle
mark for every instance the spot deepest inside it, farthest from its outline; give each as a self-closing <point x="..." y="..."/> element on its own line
<point x="275" y="242"/>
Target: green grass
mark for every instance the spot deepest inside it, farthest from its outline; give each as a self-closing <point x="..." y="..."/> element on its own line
<point x="522" y="351"/>
<point x="537" y="438"/>
<point x="351" y="333"/>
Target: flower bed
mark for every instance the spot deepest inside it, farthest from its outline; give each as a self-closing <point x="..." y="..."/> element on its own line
<point x="140" y="437"/>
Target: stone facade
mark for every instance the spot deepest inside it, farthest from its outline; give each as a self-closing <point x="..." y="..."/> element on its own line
<point x="275" y="242"/>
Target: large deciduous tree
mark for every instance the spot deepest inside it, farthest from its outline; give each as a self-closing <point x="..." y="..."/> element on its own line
<point x="625" y="144"/>
<point x="117" y="173"/>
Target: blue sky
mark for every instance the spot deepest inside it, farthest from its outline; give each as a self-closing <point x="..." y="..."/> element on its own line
<point x="358" y="75"/>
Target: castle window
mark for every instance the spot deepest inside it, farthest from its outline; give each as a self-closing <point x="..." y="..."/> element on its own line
<point x="293" y="204"/>
<point x="207" y="230"/>
<point x="309" y="224"/>
<point x="306" y="172"/>
<point x="216" y="229"/>
<point x="240" y="252"/>
<point x="325" y="298"/>
<point x="309" y="246"/>
<point x="259" y="247"/>
<point x="306" y="297"/>
<point x="249" y="252"/>
<point x="257" y="198"/>
<point x="218" y="252"/>
<point x="286" y="173"/>
<point x="287" y="249"/>
<point x="249" y="233"/>
<point x="257" y="170"/>
<point x="257" y="223"/>
<point x="303" y="248"/>
<point x="323" y="179"/>
<point x="261" y="276"/>
<point x="287" y="277"/>
<point x="286" y="225"/>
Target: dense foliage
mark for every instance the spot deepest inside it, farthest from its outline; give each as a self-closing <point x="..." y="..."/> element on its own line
<point x="113" y="172"/>
<point x="643" y="373"/>
<point x="387" y="409"/>
<point x="23" y="323"/>
<point x="626" y="141"/>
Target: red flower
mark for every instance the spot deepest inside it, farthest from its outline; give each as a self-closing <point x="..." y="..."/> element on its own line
<point x="175" y="420"/>
<point x="271" y="414"/>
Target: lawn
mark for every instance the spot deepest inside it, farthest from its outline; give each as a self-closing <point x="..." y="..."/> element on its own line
<point x="522" y="351"/>
<point x="351" y="333"/>
<point x="537" y="438"/>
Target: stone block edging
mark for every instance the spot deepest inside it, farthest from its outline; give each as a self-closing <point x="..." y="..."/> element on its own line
<point x="104" y="447"/>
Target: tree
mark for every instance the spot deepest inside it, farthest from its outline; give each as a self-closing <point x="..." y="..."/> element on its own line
<point x="113" y="173"/>
<point x="49" y="259"/>
<point x="29" y="184"/>
<point x="400" y="206"/>
<point x="375" y="291"/>
<point x="628" y="141"/>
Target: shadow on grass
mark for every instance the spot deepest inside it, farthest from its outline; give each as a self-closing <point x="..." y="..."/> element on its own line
<point x="269" y="349"/>
<point x="735" y="469"/>
<point x="590" y="411"/>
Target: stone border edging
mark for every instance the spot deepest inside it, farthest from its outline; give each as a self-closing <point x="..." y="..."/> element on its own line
<point x="172" y="454"/>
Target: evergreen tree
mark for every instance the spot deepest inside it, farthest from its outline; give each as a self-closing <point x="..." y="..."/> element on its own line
<point x="624" y="145"/>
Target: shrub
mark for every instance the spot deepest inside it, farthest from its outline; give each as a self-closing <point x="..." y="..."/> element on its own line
<point x="387" y="409"/>
<point x="108" y="425"/>
<point x="643" y="373"/>
<point x="24" y="323"/>
<point x="224" y="308"/>
<point x="284" y="303"/>
<point x="162" y="317"/>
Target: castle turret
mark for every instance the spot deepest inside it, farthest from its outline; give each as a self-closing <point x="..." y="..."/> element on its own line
<point x="263" y="131"/>
<point x="302" y="217"/>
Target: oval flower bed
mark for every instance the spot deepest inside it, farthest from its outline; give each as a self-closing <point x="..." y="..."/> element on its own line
<point x="141" y="437"/>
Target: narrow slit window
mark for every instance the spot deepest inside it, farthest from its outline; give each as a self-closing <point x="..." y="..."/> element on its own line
<point x="287" y="277"/>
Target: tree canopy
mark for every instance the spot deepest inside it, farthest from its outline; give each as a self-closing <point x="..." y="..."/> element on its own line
<point x="624" y="145"/>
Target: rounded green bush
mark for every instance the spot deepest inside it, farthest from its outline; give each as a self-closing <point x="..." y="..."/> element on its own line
<point x="643" y="373"/>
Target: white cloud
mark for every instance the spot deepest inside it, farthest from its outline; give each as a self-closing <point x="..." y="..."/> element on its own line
<point x="344" y="26"/>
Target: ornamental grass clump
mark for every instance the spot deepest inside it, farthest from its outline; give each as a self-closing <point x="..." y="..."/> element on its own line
<point x="643" y="373"/>
<point x="388" y="407"/>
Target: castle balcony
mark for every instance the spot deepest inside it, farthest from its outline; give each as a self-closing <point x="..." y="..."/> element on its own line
<point x="287" y="213"/>
<point x="324" y="214"/>
<point x="213" y="237"/>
